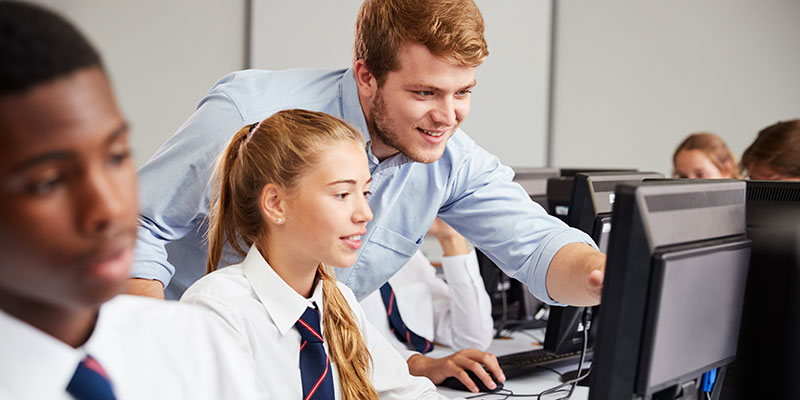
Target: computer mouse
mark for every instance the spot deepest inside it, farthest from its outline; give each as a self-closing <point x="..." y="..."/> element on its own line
<point x="456" y="384"/>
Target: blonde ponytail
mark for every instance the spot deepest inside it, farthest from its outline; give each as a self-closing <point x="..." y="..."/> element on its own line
<point x="221" y="226"/>
<point x="345" y="342"/>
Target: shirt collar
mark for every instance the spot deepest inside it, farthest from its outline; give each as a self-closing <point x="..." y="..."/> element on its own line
<point x="283" y="304"/>
<point x="35" y="365"/>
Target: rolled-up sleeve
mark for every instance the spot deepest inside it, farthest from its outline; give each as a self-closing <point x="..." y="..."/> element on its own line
<point x="498" y="216"/>
<point x="175" y="184"/>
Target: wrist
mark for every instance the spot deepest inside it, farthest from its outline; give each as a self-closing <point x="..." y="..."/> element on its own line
<point x="417" y="364"/>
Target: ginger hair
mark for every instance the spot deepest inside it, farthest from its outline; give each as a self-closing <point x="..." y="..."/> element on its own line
<point x="451" y="29"/>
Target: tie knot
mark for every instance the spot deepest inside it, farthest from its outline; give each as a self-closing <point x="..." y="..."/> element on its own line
<point x="308" y="326"/>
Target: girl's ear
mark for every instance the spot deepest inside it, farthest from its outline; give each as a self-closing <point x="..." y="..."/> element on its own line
<point x="272" y="204"/>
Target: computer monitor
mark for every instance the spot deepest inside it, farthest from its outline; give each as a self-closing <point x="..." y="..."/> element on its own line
<point x="769" y="342"/>
<point x="673" y="290"/>
<point x="590" y="211"/>
<point x="513" y="305"/>
<point x="534" y="181"/>
<point x="592" y="199"/>
<point x="559" y="189"/>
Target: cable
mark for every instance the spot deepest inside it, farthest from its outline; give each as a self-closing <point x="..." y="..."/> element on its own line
<point x="579" y="377"/>
<point x="560" y="388"/>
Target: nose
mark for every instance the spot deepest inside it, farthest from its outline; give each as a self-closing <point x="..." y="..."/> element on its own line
<point x="362" y="213"/>
<point x="99" y="202"/>
<point x="445" y="112"/>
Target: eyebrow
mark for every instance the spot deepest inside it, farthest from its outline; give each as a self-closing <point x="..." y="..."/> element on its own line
<point x="348" y="181"/>
<point x="438" y="89"/>
<point x="64" y="154"/>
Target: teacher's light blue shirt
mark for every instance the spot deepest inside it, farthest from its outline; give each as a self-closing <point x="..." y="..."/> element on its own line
<point x="468" y="188"/>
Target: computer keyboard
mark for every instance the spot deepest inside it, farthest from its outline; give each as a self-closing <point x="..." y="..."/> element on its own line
<point x="526" y="362"/>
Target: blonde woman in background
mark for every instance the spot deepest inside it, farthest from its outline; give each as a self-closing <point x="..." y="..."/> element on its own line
<point x="704" y="156"/>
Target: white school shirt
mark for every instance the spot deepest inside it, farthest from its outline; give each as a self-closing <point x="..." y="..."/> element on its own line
<point x="150" y="349"/>
<point x="456" y="313"/>
<point x="262" y="309"/>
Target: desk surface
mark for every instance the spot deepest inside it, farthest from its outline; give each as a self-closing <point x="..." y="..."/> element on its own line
<point x="531" y="384"/>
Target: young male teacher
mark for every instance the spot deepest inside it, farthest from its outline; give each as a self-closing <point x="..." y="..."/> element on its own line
<point x="407" y="91"/>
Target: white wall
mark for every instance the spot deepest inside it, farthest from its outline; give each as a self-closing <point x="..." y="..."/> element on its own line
<point x="633" y="78"/>
<point x="162" y="56"/>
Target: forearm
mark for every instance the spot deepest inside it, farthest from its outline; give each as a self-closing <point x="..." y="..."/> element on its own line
<point x="467" y="322"/>
<point x="570" y="278"/>
<point x="145" y="287"/>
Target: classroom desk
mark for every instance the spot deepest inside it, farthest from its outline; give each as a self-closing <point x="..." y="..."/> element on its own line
<point x="531" y="384"/>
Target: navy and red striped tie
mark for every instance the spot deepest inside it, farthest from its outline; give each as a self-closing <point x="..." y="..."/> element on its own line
<point x="90" y="382"/>
<point x="315" y="367"/>
<point x="399" y="328"/>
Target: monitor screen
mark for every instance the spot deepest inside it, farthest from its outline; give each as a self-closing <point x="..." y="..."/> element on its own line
<point x="696" y="295"/>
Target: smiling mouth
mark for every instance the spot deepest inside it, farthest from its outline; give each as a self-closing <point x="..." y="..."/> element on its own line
<point x="352" y="241"/>
<point x="432" y="133"/>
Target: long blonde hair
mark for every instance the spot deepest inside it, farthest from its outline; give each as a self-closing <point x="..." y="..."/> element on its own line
<point x="280" y="150"/>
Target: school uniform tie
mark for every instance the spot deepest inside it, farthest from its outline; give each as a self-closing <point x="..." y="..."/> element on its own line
<point x="315" y="368"/>
<point x="90" y="382"/>
<point x="397" y="325"/>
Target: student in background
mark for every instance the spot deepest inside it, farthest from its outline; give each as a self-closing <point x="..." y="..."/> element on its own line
<point x="292" y="190"/>
<point x="416" y="308"/>
<point x="775" y="154"/>
<point x="67" y="232"/>
<point x="704" y="156"/>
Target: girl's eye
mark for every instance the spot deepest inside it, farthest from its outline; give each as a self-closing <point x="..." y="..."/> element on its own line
<point x="119" y="158"/>
<point x="341" y="196"/>
<point x="367" y="194"/>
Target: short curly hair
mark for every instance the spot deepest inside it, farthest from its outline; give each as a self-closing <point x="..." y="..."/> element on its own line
<point x="39" y="46"/>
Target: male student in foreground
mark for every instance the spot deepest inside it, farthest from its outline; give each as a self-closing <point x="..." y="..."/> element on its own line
<point x="67" y="232"/>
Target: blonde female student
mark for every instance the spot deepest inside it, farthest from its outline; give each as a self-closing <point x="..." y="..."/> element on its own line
<point x="291" y="198"/>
